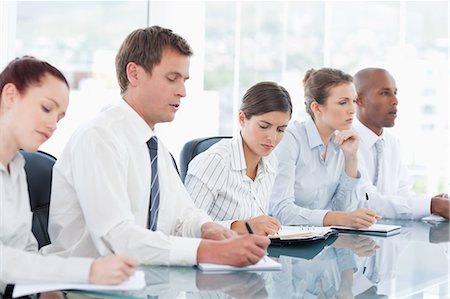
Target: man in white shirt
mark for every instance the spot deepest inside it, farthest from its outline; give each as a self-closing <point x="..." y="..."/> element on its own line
<point x="115" y="189"/>
<point x="386" y="186"/>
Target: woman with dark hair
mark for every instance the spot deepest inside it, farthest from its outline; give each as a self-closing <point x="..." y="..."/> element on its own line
<point x="318" y="167"/>
<point x="232" y="181"/>
<point x="34" y="97"/>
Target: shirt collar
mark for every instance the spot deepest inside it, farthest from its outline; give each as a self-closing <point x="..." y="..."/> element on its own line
<point x="15" y="165"/>
<point x="369" y="137"/>
<point x="238" y="158"/>
<point x="314" y="136"/>
<point x="138" y="126"/>
<point x="312" y="133"/>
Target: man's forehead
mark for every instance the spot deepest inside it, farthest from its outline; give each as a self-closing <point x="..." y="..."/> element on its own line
<point x="381" y="80"/>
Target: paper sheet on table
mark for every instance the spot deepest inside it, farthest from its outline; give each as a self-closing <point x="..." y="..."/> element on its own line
<point x="264" y="264"/>
<point x="136" y="282"/>
<point x="433" y="217"/>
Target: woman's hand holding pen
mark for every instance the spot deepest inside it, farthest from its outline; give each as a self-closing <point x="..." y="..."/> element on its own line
<point x="262" y="225"/>
<point x="360" y="218"/>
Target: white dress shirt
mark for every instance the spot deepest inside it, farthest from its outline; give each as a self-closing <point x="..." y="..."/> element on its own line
<point x="218" y="183"/>
<point x="307" y="187"/>
<point x="19" y="260"/>
<point x="100" y="195"/>
<point x="393" y="196"/>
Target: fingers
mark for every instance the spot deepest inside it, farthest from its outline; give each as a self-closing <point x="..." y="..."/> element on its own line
<point x="272" y="228"/>
<point x="344" y="135"/>
<point x="265" y="225"/>
<point x="129" y="260"/>
<point x="364" y="221"/>
<point x="260" y="241"/>
<point x="256" y="248"/>
<point x="363" y="218"/>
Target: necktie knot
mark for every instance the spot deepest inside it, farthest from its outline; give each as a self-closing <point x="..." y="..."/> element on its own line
<point x="379" y="146"/>
<point x="152" y="143"/>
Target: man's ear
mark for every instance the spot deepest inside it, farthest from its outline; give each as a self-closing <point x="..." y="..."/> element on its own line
<point x="360" y="101"/>
<point x="132" y="70"/>
<point x="9" y="94"/>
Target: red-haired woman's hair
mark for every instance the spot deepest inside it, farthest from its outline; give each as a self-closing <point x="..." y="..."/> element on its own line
<point x="28" y="71"/>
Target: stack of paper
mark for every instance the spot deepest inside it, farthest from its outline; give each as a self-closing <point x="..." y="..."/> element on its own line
<point x="288" y="235"/>
<point x="136" y="282"/>
<point x="265" y="264"/>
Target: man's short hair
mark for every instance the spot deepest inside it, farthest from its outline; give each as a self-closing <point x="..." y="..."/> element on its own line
<point x="145" y="47"/>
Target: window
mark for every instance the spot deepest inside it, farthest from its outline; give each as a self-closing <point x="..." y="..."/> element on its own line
<point x="237" y="44"/>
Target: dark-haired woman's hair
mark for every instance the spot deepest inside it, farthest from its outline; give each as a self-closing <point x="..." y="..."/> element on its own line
<point x="265" y="97"/>
<point x="28" y="71"/>
<point x="318" y="83"/>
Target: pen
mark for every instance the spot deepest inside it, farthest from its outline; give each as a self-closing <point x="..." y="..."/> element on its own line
<point x="367" y="206"/>
<point x="365" y="265"/>
<point x="249" y="229"/>
<point x="367" y="200"/>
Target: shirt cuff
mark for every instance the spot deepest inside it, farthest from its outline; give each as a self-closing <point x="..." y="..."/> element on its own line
<point x="316" y="217"/>
<point x="184" y="251"/>
<point x="421" y="206"/>
<point x="348" y="183"/>
<point x="80" y="268"/>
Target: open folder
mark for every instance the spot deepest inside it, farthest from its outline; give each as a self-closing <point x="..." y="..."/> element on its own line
<point x="383" y="230"/>
<point x="294" y="234"/>
<point x="264" y="264"/>
<point x="135" y="282"/>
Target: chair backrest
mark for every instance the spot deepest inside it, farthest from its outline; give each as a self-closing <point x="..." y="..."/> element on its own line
<point x="193" y="148"/>
<point x="39" y="169"/>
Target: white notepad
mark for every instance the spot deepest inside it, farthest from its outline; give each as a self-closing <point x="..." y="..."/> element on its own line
<point x="136" y="282"/>
<point x="375" y="229"/>
<point x="265" y="264"/>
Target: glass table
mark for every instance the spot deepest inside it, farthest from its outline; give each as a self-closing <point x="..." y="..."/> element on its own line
<point x="412" y="264"/>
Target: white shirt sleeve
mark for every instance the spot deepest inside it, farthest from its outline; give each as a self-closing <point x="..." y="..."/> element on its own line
<point x="17" y="265"/>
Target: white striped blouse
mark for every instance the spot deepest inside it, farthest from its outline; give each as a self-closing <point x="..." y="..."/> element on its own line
<point x="217" y="182"/>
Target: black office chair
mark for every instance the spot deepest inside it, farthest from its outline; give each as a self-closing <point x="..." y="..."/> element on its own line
<point x="193" y="148"/>
<point x="39" y="168"/>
